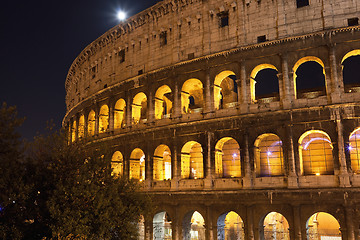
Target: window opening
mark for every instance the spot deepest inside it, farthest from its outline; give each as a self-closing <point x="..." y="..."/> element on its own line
<point x="223" y="19"/>
<point x="163" y="38"/>
<point x="261" y="39"/>
<point x="122" y="56"/>
<point x="302" y="3"/>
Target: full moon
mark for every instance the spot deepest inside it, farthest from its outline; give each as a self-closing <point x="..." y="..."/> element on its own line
<point x="121" y="15"/>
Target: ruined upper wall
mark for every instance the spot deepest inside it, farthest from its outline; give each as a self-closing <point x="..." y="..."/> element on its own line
<point x="173" y="31"/>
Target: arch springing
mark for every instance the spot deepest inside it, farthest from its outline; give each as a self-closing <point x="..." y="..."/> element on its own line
<point x="163" y="102"/>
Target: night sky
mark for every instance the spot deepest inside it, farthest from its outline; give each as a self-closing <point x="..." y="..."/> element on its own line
<point x="39" y="40"/>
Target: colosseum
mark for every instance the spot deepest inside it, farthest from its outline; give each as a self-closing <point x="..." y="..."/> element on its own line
<point x="239" y="117"/>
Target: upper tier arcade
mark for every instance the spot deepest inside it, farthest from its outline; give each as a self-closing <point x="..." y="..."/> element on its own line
<point x="176" y="32"/>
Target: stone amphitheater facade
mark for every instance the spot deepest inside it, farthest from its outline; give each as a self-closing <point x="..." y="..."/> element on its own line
<point x="209" y="104"/>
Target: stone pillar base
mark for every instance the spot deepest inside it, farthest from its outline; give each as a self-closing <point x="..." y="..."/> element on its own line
<point x="344" y="180"/>
<point x="208" y="184"/>
<point x="293" y="182"/>
<point x="174" y="185"/>
<point x="247" y="182"/>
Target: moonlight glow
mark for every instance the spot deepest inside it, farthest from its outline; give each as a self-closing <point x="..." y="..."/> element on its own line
<point x="121" y="15"/>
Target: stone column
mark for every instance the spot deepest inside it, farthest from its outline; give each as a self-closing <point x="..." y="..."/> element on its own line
<point x="177" y="103"/>
<point x="208" y="162"/>
<point x="209" y="97"/>
<point x="97" y="111"/>
<point x="247" y="181"/>
<point x="209" y="225"/>
<point x="343" y="174"/>
<point x="292" y="179"/>
<point x="245" y="89"/>
<point x="111" y="117"/>
<point x="286" y="96"/>
<point x="76" y="127"/>
<point x="349" y="222"/>
<point x="297" y="222"/>
<point x="86" y="116"/>
<point x="128" y="110"/>
<point x="336" y="83"/>
<point x="150" y="106"/>
<point x="238" y="83"/>
<point x="175" y="166"/>
<point x="250" y="223"/>
<point x="148" y="229"/>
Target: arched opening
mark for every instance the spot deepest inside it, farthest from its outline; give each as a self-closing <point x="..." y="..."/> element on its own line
<point x="322" y="225"/>
<point x="351" y="66"/>
<point x="225" y="90"/>
<point x="139" y="108"/>
<point x="192" y="99"/>
<point x="141" y="228"/>
<point x="274" y="227"/>
<point x="163" y="102"/>
<point x="162" y="226"/>
<point x="315" y="151"/>
<point x="227" y="158"/>
<point x="309" y="78"/>
<point x="354" y="150"/>
<point x="73" y="131"/>
<point x="264" y="83"/>
<point x="192" y="161"/>
<point x="81" y="127"/>
<point x="193" y="226"/>
<point x="230" y="226"/>
<point x="117" y="164"/>
<point x="91" y="123"/>
<point x="269" y="156"/>
<point x="162" y="163"/>
<point x="104" y="119"/>
<point x="137" y="164"/>
<point x="119" y="113"/>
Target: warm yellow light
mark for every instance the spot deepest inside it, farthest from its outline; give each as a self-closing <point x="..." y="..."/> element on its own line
<point x="317" y="174"/>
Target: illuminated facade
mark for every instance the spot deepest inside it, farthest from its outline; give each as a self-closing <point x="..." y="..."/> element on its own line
<point x="240" y="118"/>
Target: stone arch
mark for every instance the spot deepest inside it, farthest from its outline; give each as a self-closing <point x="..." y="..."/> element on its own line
<point x="322" y="225"/>
<point x="274" y="226"/>
<point x="139" y="108"/>
<point x="225" y="90"/>
<point x="117" y="164"/>
<point x="264" y="83"/>
<point x="137" y="164"/>
<point x="119" y="113"/>
<point x="81" y="126"/>
<point x="227" y="158"/>
<point x="269" y="156"/>
<point x="192" y="162"/>
<point x="163" y="102"/>
<point x="192" y="99"/>
<point x="162" y="163"/>
<point x="306" y="86"/>
<point x="354" y="150"/>
<point x="193" y="226"/>
<point x="350" y="68"/>
<point x="91" y="123"/>
<point x="104" y="118"/>
<point x="315" y="153"/>
<point x="162" y="226"/>
<point x="230" y="226"/>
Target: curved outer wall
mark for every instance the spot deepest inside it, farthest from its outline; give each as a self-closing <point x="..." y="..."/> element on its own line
<point x="175" y="41"/>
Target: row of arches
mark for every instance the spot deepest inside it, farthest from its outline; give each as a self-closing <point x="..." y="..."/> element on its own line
<point x="308" y="77"/>
<point x="230" y="226"/>
<point x="315" y="154"/>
